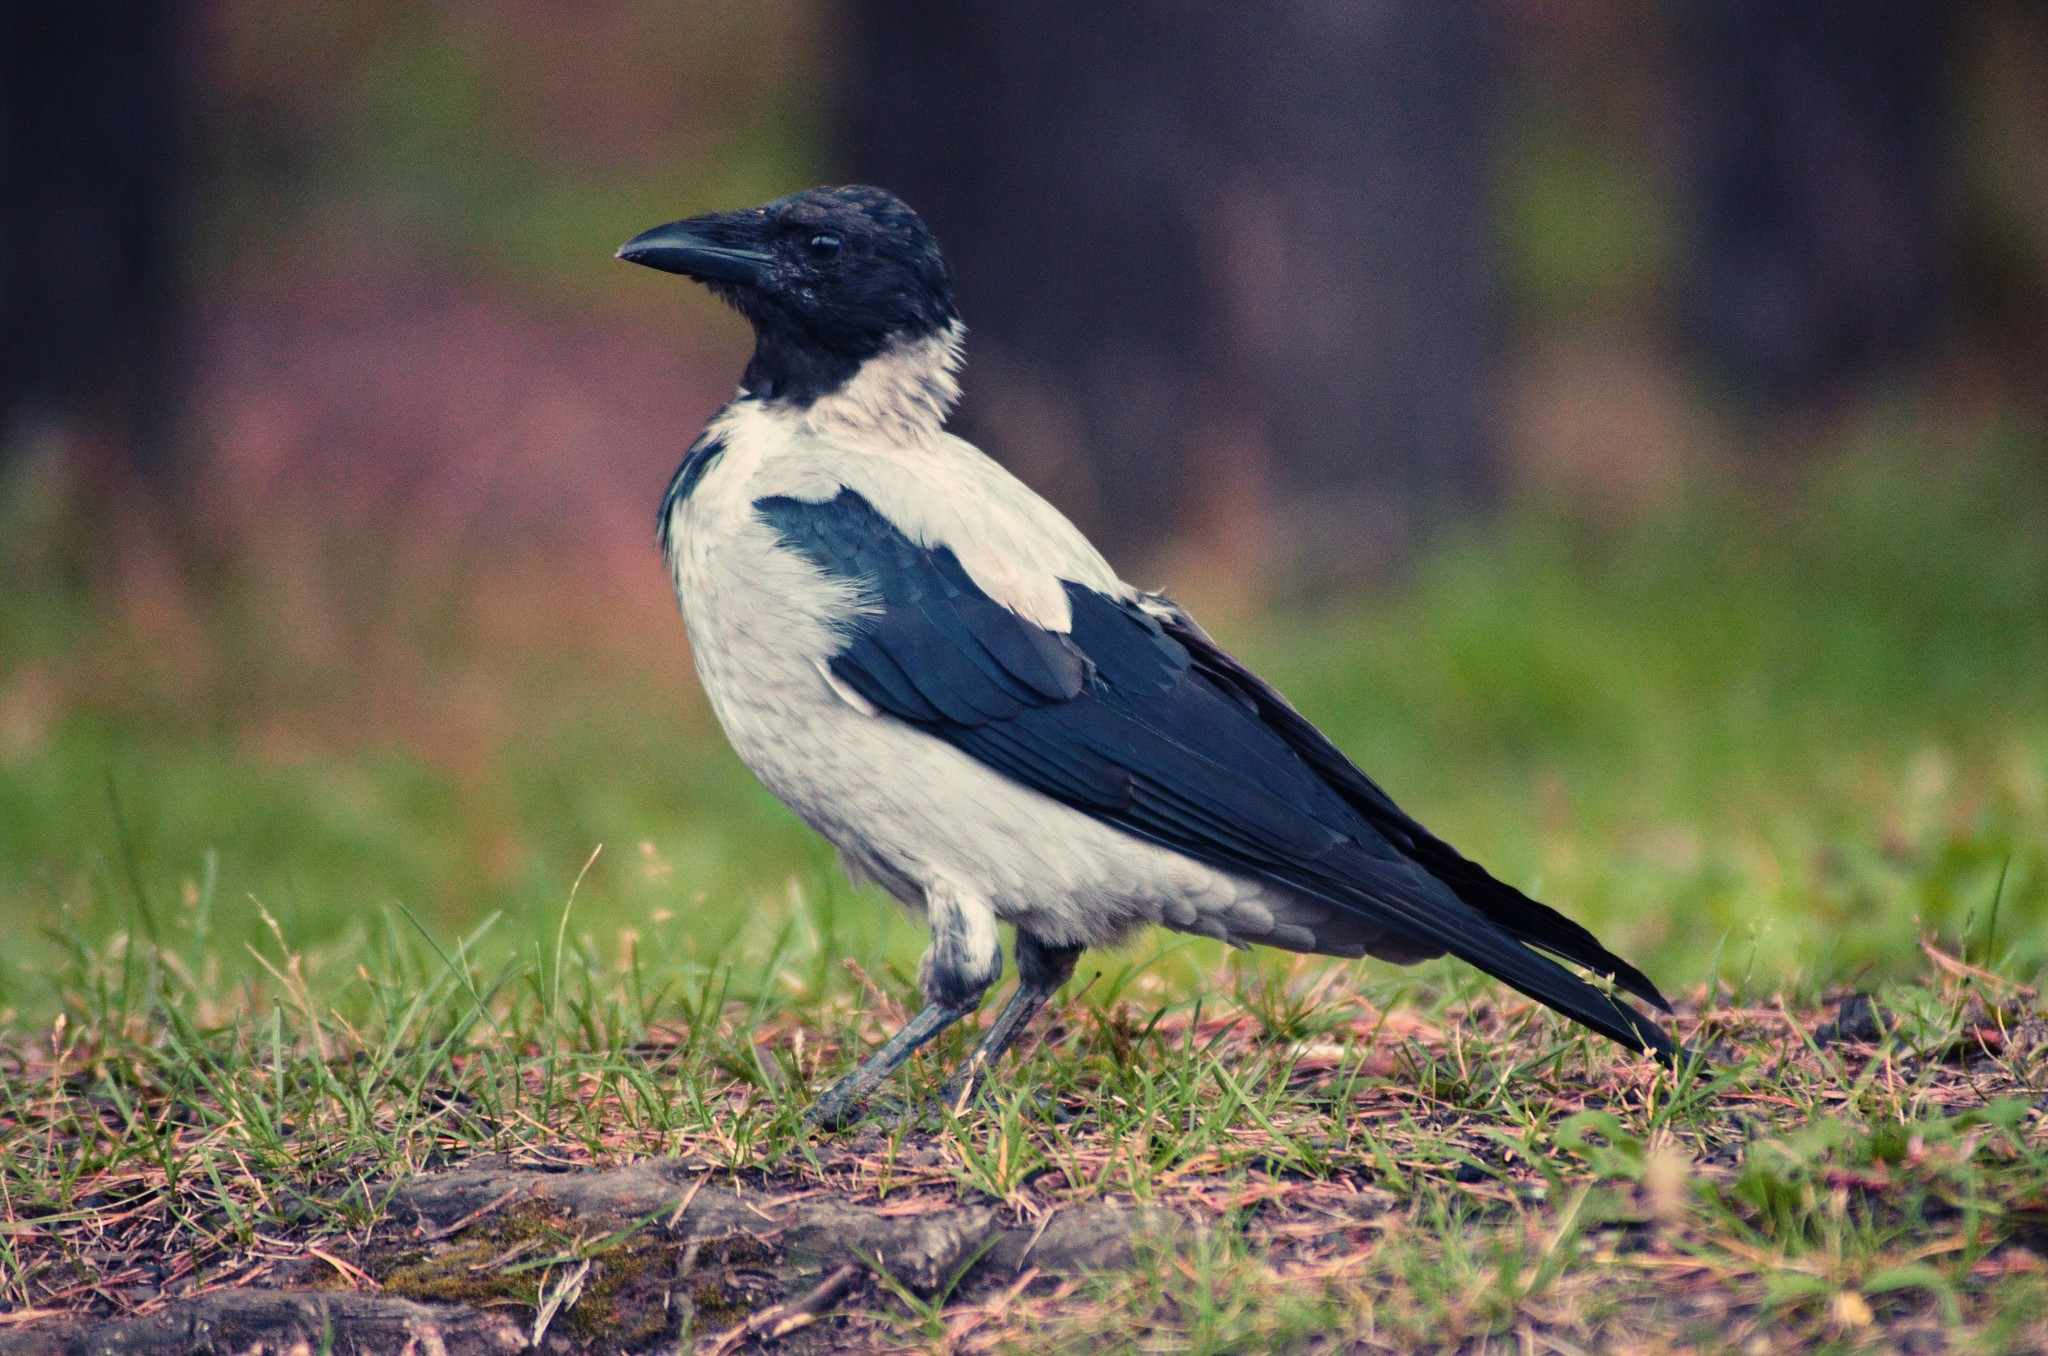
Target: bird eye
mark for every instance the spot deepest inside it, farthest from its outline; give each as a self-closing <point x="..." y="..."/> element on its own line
<point x="823" y="247"/>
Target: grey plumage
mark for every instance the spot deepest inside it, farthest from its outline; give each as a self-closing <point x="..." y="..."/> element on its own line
<point x="935" y="670"/>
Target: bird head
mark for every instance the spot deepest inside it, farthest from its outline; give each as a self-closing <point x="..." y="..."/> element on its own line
<point x="836" y="275"/>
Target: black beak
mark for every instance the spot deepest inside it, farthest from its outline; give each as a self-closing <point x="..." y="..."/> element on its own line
<point x="689" y="248"/>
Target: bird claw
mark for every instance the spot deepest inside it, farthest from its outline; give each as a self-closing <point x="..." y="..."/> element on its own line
<point x="829" y="1113"/>
<point x="890" y="1112"/>
<point x="835" y="1113"/>
<point x="894" y="1114"/>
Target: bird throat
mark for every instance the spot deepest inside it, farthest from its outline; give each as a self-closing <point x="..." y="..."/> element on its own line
<point x="904" y="391"/>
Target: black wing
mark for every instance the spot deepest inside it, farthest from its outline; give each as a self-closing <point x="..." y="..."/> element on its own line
<point x="1530" y="921"/>
<point x="1162" y="734"/>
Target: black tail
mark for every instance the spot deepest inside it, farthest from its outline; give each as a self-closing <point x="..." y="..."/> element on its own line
<point x="1425" y="908"/>
<point x="1520" y="918"/>
<point x="1524" y="918"/>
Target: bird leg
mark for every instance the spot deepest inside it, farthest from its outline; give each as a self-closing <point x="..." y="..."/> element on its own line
<point x="844" y="1099"/>
<point x="1041" y="969"/>
<point x="964" y="959"/>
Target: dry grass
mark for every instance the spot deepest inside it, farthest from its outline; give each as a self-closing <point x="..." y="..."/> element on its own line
<point x="1458" y="1173"/>
<point x="1761" y="751"/>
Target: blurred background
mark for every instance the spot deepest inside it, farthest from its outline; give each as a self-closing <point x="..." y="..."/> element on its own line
<point x="1621" y="425"/>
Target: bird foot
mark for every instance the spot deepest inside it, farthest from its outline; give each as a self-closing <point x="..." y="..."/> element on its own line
<point x="829" y="1113"/>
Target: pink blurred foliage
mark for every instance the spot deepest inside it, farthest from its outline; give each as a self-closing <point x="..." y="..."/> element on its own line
<point x="433" y="493"/>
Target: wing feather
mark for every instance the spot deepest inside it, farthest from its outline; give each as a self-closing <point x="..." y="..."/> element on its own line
<point x="1145" y="723"/>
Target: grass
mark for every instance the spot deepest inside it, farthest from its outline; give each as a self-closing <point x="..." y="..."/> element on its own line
<point x="1360" y="1162"/>
<point x="1767" y="747"/>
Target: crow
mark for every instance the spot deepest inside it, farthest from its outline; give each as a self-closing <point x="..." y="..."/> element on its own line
<point x="938" y="672"/>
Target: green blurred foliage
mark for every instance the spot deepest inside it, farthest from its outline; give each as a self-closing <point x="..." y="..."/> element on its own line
<point x="1775" y="737"/>
<point x="522" y="138"/>
<point x="1585" y="233"/>
<point x="1779" y="731"/>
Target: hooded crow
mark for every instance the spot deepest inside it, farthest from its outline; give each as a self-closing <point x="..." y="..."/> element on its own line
<point x="936" y="671"/>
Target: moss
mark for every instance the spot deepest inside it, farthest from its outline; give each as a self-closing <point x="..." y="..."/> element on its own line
<point x="716" y="1307"/>
<point x="454" y="1276"/>
<point x="451" y="1279"/>
<point x="625" y="1301"/>
<point x="623" y="1306"/>
<point x="617" y="1305"/>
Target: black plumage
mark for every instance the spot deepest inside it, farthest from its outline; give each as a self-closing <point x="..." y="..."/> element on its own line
<point x="828" y="278"/>
<point x="1129" y="715"/>
<point x="1144" y="722"/>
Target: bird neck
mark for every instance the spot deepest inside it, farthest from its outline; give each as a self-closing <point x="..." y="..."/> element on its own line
<point x="903" y="392"/>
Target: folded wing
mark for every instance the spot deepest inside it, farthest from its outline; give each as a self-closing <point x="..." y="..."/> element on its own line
<point x="1143" y="722"/>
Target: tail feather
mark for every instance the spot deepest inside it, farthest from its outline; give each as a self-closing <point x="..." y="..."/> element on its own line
<point x="1521" y="917"/>
<point x="1509" y="923"/>
<point x="1423" y="910"/>
<point x="1527" y="919"/>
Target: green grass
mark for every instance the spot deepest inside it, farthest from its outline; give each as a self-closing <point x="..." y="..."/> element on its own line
<point x="1461" y="1174"/>
<point x="1764" y="747"/>
<point x="1794" y="735"/>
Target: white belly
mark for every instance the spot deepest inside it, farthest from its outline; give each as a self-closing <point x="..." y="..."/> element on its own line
<point x="903" y="807"/>
<point x="908" y="810"/>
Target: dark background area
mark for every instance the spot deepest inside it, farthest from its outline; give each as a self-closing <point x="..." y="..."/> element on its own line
<point x="1284" y="273"/>
<point x="1620" y="426"/>
<point x="1621" y="423"/>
